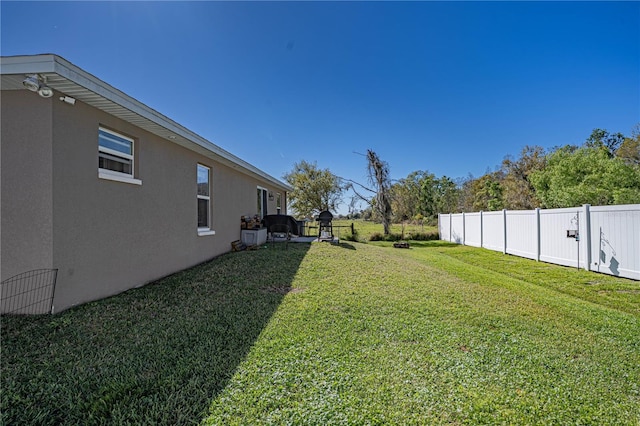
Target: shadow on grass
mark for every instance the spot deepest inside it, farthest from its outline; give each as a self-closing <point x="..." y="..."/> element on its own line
<point x="433" y="243"/>
<point x="154" y="355"/>
<point x="418" y="244"/>
<point x="347" y="246"/>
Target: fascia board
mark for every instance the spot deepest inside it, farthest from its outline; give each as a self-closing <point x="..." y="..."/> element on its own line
<point x="49" y="63"/>
<point x="35" y="64"/>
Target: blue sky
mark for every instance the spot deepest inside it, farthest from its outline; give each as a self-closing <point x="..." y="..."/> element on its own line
<point x="448" y="87"/>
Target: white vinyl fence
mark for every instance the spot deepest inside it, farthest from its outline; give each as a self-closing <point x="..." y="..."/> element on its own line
<point x="603" y="239"/>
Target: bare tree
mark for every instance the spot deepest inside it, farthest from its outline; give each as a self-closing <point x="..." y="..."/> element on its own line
<point x="379" y="177"/>
<point x="380" y="200"/>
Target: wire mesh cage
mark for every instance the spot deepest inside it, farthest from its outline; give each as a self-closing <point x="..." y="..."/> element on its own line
<point x="28" y="293"/>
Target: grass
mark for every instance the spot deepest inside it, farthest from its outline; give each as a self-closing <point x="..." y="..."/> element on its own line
<point x="153" y="355"/>
<point x="348" y="334"/>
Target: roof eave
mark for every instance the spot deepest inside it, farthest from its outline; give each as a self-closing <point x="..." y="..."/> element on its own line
<point x="50" y="63"/>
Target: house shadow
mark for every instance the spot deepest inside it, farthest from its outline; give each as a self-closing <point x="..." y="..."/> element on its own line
<point x="160" y="353"/>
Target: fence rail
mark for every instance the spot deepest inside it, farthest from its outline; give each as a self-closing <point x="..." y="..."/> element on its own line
<point x="28" y="293"/>
<point x="603" y="239"/>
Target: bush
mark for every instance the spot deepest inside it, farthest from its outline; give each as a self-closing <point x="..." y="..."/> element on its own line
<point x="351" y="237"/>
<point x="377" y="236"/>
<point x="423" y="236"/>
<point x="415" y="236"/>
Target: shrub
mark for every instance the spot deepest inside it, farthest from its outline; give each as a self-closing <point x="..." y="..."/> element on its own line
<point x="376" y="236"/>
<point x="351" y="237"/>
<point x="416" y="236"/>
<point x="423" y="236"/>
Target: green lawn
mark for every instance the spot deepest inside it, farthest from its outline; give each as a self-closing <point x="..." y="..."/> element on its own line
<point x="348" y="334"/>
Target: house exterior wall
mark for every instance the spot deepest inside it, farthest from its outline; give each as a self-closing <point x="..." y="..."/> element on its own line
<point x="26" y="205"/>
<point x="106" y="236"/>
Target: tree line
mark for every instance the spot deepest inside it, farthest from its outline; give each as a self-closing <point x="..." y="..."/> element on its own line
<point x="604" y="170"/>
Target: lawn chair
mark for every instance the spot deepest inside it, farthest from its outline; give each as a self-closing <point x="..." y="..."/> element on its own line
<point x="325" y="226"/>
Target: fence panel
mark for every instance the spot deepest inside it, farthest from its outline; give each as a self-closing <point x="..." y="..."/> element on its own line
<point x="473" y="229"/>
<point x="493" y="230"/>
<point x="444" y="227"/>
<point x="615" y="240"/>
<point x="522" y="233"/>
<point x="603" y="238"/>
<point x="28" y="293"/>
<point x="555" y="246"/>
<point x="457" y="229"/>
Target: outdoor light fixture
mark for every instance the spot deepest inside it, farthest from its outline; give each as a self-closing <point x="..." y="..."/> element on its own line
<point x="32" y="82"/>
<point x="68" y="99"/>
<point x="45" y="91"/>
<point x="270" y="195"/>
<point x="36" y="83"/>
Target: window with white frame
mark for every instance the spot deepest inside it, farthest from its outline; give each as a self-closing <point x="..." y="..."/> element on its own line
<point x="262" y="202"/>
<point x="115" y="153"/>
<point x="204" y="198"/>
<point x="279" y="202"/>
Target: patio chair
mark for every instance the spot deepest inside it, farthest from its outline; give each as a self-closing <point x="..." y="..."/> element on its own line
<point x="280" y="234"/>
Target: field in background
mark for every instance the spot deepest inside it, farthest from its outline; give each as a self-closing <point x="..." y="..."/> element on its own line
<point x="365" y="230"/>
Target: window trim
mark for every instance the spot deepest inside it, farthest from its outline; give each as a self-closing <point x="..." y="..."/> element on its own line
<point x="205" y="230"/>
<point x="279" y="202"/>
<point x="117" y="177"/>
<point x="113" y="175"/>
<point x="263" y="201"/>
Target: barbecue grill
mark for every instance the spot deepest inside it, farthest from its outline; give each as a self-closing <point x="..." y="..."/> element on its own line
<point x="325" y="228"/>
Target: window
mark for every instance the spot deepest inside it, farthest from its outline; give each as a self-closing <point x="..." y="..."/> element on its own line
<point x="262" y="202"/>
<point x="115" y="156"/>
<point x="204" y="200"/>
<point x="279" y="202"/>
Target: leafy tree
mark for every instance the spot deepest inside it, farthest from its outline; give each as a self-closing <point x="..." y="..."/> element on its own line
<point x="487" y="192"/>
<point x="602" y="138"/>
<point x="406" y="194"/>
<point x="465" y="194"/>
<point x="629" y="150"/>
<point x="314" y="189"/>
<point x="447" y="194"/>
<point x="517" y="191"/>
<point x="428" y="195"/>
<point x="438" y="195"/>
<point x="587" y="175"/>
<point x="403" y="201"/>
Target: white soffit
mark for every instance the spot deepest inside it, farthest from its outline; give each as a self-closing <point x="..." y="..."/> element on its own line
<point x="70" y="80"/>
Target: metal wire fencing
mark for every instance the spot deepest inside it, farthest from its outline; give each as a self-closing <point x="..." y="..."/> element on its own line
<point x="28" y="293"/>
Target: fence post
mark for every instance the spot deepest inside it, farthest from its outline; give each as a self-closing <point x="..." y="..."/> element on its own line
<point x="537" y="234"/>
<point x="504" y="227"/>
<point x="463" y="230"/>
<point x="587" y="236"/>
<point x="450" y="228"/>
<point x="481" y="231"/>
